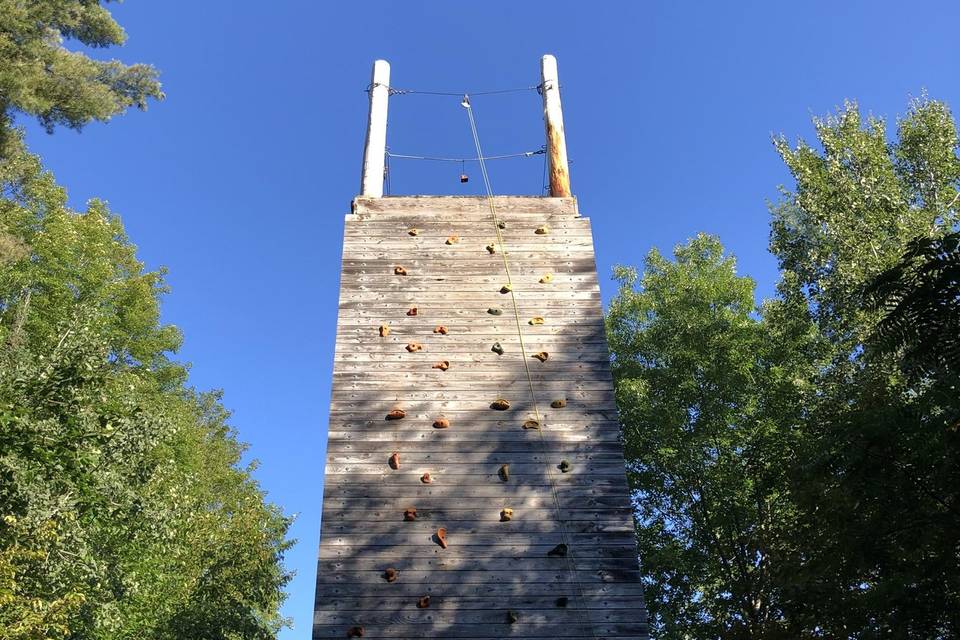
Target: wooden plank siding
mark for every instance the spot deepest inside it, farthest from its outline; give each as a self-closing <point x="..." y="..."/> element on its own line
<point x="495" y="579"/>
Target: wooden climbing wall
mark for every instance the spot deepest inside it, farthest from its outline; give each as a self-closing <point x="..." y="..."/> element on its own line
<point x="495" y="578"/>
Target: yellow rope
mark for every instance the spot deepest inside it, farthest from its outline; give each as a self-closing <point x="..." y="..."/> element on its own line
<point x="526" y="366"/>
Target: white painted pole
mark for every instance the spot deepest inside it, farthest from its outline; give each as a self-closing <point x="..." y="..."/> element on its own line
<point x="375" y="147"/>
<point x="553" y="121"/>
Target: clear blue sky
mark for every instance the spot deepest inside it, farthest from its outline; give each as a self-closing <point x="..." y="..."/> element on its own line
<point x="239" y="180"/>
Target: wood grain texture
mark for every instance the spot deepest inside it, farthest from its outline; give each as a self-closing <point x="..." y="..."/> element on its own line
<point x="490" y="566"/>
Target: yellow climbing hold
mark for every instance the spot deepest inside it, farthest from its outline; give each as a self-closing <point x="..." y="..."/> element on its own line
<point x="537" y="320"/>
<point x="547" y="278"/>
<point x="542" y="231"/>
<point x="506" y="288"/>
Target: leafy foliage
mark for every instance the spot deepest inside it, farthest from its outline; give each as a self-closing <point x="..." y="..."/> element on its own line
<point x="125" y="508"/>
<point x="796" y="465"/>
<point x="40" y="77"/>
<point x="920" y="298"/>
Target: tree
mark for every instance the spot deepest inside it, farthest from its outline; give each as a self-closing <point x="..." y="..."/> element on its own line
<point x="42" y="78"/>
<point x="878" y="481"/>
<point x="125" y="508"/>
<point x="796" y="467"/>
<point x="700" y="383"/>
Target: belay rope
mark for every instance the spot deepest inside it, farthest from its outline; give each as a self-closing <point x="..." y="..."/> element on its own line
<point x="526" y="366"/>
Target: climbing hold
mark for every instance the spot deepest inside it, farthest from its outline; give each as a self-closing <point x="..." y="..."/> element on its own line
<point x="394" y="460"/>
<point x="546" y="278"/>
<point x="497" y="349"/>
<point x="453" y="240"/>
<point x="441" y="423"/>
<point x="425" y="478"/>
<point x="500" y="404"/>
<point x="397" y="414"/>
<point x="559" y="551"/>
<point x="423" y="602"/>
<point x="442" y="537"/>
<point x="494" y="311"/>
<point x="502" y="224"/>
<point x="541" y="356"/>
<point x="562" y="601"/>
<point x="355" y="632"/>
<point x="491" y="248"/>
<point x="559" y="403"/>
<point x="442" y="330"/>
<point x="412" y="312"/>
<point x="384" y="331"/>
<point x="391" y="575"/>
<point x="512" y="617"/>
<point x="504" y="472"/>
<point x="537" y="320"/>
<point x="564" y="466"/>
<point x="414" y="346"/>
<point x="399" y="271"/>
<point x="443" y="365"/>
<point x="410" y="514"/>
<point x="506" y="288"/>
<point x="414" y="232"/>
<point x="506" y="515"/>
<point x="531" y="424"/>
<point x="542" y="231"/>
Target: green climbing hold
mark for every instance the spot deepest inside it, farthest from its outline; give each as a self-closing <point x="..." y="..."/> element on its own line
<point x="497" y="349"/>
<point x="565" y="466"/>
<point x="495" y="311"/>
<point x="512" y="617"/>
<point x="502" y="224"/>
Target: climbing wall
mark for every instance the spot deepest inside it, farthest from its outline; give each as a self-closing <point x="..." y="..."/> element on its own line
<point x="454" y="505"/>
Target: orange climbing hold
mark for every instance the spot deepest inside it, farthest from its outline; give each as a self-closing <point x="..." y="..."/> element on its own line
<point x="443" y="365"/>
<point x="441" y="423"/>
<point x="442" y="330"/>
<point x="397" y="414"/>
<point x="412" y="312"/>
<point x="426" y="479"/>
<point x="391" y="575"/>
<point x="394" y="460"/>
<point x="453" y="240"/>
<point x="442" y="537"/>
<point x="384" y="331"/>
<point x="410" y="514"/>
<point x="423" y="602"/>
<point x="541" y="356"/>
<point x="414" y="346"/>
<point x="500" y="404"/>
<point x="399" y="271"/>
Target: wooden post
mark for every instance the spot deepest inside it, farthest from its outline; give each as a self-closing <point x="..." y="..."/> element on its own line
<point x="375" y="147"/>
<point x="553" y="120"/>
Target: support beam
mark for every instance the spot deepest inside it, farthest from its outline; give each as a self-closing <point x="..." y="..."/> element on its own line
<point x="553" y="120"/>
<point x="375" y="147"/>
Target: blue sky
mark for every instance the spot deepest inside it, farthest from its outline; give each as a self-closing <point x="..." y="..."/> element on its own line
<point x="239" y="180"/>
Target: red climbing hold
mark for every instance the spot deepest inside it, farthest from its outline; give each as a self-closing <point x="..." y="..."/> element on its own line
<point x="391" y="575"/>
<point x="443" y="365"/>
<point x="441" y="423"/>
<point x="423" y="602"/>
<point x="410" y="514"/>
<point x="394" y="460"/>
<point x="412" y="311"/>
<point x="442" y="537"/>
<point x="355" y="632"/>
<point x="426" y="479"/>
<point x="414" y="346"/>
<point x="442" y="330"/>
<point x="397" y="414"/>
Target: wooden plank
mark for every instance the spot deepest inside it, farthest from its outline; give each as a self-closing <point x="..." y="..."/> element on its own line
<point x="441" y="603"/>
<point x="404" y="206"/>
